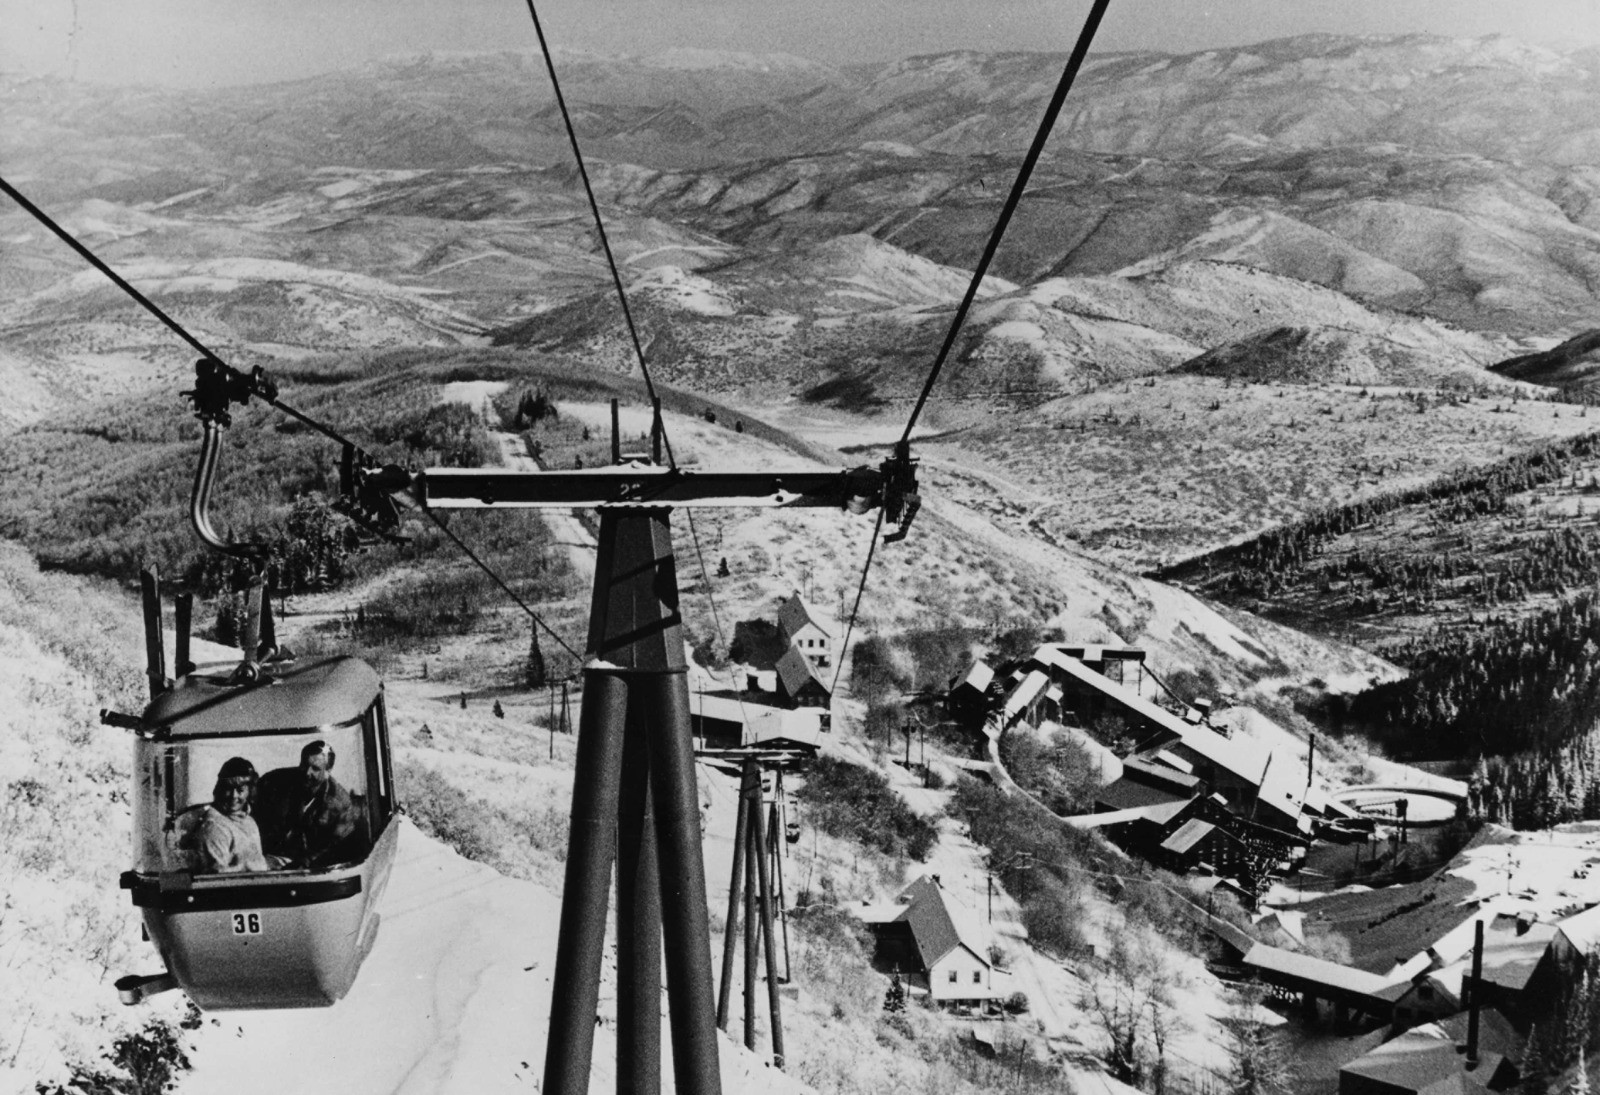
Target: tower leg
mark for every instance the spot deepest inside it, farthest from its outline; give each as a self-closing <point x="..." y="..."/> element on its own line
<point x="685" y="919"/>
<point x="591" y="845"/>
<point x="730" y="936"/>
<point x="779" y="845"/>
<point x="759" y="844"/>
<point x="638" y="918"/>
<point x="636" y="689"/>
<point x="751" y="853"/>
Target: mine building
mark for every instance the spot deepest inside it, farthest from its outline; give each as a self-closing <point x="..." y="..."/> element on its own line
<point x="727" y="720"/>
<point x="972" y="694"/>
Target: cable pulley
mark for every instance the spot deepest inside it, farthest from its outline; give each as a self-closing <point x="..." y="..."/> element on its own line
<point x="367" y="493"/>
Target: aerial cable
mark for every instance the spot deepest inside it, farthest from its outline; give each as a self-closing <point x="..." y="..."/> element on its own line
<point x="844" y="647"/>
<point x="1052" y="112"/>
<point x="1068" y="75"/>
<point x="599" y="223"/>
<point x="255" y="388"/>
<point x="177" y="328"/>
<point x="509" y="592"/>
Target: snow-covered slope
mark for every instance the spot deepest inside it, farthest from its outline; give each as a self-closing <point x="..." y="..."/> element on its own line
<point x="455" y="997"/>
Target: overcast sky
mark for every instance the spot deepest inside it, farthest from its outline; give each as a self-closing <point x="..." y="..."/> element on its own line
<point x="233" y="41"/>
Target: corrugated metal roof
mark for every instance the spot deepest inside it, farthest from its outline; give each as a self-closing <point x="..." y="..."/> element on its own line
<point x="1127" y="793"/>
<point x="1188" y="834"/>
<point x="1319" y="970"/>
<point x="1156" y="774"/>
<point x="980" y="676"/>
<point x="1583" y="930"/>
<point x="1421" y="1061"/>
<point x="1236" y="755"/>
<point x="288" y="696"/>
<point x="1510" y="959"/>
<point x="1109" y="817"/>
<point x="761" y="722"/>
<point x="1025" y="693"/>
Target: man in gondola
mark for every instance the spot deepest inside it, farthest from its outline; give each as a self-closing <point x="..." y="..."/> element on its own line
<point x="306" y="815"/>
<point x="226" y="840"/>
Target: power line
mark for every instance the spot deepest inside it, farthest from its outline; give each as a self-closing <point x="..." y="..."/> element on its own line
<point x="1052" y="111"/>
<point x="599" y="223"/>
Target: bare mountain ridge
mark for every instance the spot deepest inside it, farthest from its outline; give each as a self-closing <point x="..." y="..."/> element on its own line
<point x="1492" y="97"/>
<point x="1373" y="166"/>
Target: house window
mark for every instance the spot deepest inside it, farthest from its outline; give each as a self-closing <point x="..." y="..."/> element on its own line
<point x="952" y="977"/>
<point x="977" y="977"/>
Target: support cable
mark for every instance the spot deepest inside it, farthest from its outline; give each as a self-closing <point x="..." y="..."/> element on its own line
<point x="509" y="592"/>
<point x="177" y="328"/>
<point x="711" y="599"/>
<point x="599" y="223"/>
<point x="1052" y="111"/>
<point x="844" y="647"/>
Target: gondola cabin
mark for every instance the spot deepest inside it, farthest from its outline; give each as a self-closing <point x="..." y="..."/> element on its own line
<point x="280" y="932"/>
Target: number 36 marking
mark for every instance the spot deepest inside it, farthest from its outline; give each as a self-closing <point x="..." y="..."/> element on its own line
<point x="246" y="923"/>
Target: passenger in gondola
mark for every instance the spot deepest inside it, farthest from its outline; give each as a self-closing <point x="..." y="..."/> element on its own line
<point x="306" y="815"/>
<point x="226" y="840"/>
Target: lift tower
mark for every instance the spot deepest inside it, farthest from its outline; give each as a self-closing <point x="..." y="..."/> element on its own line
<point x="634" y="801"/>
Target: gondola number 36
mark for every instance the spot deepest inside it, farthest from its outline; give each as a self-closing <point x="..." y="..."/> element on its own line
<point x="246" y="923"/>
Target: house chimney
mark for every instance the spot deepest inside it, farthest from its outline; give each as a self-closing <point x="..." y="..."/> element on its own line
<point x="1477" y="981"/>
<point x="1524" y="922"/>
<point x="155" y="653"/>
<point x="1204" y="707"/>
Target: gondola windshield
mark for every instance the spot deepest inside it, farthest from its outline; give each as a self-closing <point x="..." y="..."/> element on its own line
<point x="181" y="827"/>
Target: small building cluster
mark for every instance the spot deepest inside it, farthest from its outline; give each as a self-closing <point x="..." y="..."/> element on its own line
<point x="1189" y="796"/>
<point x="1456" y="983"/>
<point x="793" y="713"/>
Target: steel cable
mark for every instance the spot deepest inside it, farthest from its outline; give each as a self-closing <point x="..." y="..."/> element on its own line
<point x="178" y="329"/>
<point x="509" y="592"/>
<point x="1052" y="111"/>
<point x="148" y="305"/>
<point x="599" y="223"/>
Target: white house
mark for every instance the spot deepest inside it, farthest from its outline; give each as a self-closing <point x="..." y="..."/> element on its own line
<point x="799" y="626"/>
<point x="935" y="940"/>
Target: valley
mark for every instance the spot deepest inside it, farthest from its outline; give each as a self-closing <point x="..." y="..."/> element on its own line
<point x="1279" y="386"/>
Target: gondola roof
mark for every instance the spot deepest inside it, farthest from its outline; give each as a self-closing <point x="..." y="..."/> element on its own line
<point x="287" y="697"/>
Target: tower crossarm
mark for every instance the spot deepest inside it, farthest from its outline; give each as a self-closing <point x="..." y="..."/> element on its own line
<point x="645" y="486"/>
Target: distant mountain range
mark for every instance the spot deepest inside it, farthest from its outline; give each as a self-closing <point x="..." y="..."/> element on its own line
<point x="1401" y="210"/>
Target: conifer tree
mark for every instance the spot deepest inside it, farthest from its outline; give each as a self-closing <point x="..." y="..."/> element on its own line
<point x="533" y="674"/>
<point x="1257" y="1062"/>
<point x="894" y="1001"/>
